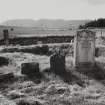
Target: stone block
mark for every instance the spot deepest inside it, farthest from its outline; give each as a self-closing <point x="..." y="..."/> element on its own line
<point x="30" y="68"/>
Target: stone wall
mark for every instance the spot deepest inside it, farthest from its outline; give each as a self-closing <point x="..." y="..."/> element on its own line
<point x="35" y="40"/>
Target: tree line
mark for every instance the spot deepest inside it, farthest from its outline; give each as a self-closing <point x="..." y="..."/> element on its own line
<point x="99" y="23"/>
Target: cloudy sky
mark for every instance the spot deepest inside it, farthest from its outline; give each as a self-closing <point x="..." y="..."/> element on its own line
<point x="51" y="9"/>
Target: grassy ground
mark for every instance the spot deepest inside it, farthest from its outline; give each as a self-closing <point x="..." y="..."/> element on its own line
<point x="76" y="88"/>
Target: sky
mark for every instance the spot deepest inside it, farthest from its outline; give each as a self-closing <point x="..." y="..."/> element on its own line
<point x="51" y="9"/>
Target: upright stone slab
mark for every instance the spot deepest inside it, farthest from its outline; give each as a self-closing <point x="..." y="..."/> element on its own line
<point x="84" y="48"/>
<point x="6" y="37"/>
<point x="57" y="63"/>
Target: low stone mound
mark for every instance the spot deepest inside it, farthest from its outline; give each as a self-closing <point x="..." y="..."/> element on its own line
<point x="42" y="50"/>
<point x="6" y="77"/>
<point x="30" y="68"/>
<point x="4" y="61"/>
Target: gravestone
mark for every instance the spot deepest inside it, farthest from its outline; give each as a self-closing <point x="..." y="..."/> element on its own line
<point x="84" y="48"/>
<point x="57" y="63"/>
<point x="30" y="68"/>
<point x="6" y="37"/>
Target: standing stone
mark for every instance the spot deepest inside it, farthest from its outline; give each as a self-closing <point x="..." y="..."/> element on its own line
<point x="6" y="37"/>
<point x="57" y="63"/>
<point x="84" y="48"/>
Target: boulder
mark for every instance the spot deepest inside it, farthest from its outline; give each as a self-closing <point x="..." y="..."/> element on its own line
<point x="4" y="61"/>
<point x="30" y="68"/>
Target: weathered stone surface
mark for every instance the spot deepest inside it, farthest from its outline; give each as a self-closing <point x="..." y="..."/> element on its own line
<point x="4" y="61"/>
<point x="30" y="68"/>
<point x="84" y="50"/>
<point x="57" y="63"/>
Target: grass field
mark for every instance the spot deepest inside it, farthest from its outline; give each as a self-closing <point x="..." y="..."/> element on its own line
<point x="76" y="89"/>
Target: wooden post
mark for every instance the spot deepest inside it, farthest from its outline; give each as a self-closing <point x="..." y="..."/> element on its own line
<point x="6" y="37"/>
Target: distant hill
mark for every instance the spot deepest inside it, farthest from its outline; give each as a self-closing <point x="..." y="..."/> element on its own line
<point x="46" y="23"/>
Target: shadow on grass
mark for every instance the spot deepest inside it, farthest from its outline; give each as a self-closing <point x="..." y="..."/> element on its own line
<point x="96" y="72"/>
<point x="66" y="75"/>
<point x="81" y="75"/>
<point x="36" y="78"/>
